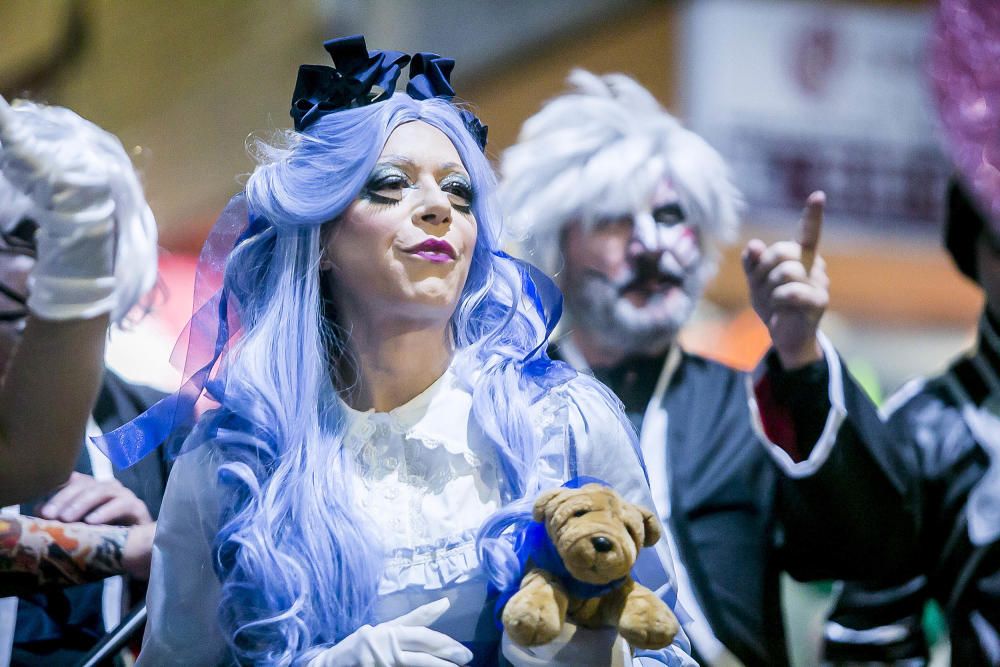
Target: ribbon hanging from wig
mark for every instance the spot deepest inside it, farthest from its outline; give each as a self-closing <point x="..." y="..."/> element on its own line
<point x="547" y="301"/>
<point x="213" y="327"/>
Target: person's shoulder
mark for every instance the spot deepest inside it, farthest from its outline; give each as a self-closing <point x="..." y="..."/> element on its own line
<point x="696" y="363"/>
<point x="928" y="413"/>
<point x="698" y="375"/>
<point x="937" y="394"/>
<point x="581" y="389"/>
<point x="586" y="404"/>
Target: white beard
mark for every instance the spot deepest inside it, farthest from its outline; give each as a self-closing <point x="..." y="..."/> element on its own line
<point x="596" y="305"/>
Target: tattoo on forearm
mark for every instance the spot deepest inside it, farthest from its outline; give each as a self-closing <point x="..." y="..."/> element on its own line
<point x="59" y="553"/>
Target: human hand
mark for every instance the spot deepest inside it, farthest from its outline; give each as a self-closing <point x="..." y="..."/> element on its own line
<point x="96" y="237"/>
<point x="789" y="288"/>
<point x="42" y="158"/>
<point x="402" y="642"/>
<point x="86" y="499"/>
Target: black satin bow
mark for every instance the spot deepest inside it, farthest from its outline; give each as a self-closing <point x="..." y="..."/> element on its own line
<point x="358" y="77"/>
<point x="358" y="72"/>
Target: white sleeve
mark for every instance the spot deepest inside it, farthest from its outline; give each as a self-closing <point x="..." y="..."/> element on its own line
<point x="820" y="451"/>
<point x="184" y="592"/>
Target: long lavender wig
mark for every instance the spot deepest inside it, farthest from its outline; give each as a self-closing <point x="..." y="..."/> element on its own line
<point x="298" y="564"/>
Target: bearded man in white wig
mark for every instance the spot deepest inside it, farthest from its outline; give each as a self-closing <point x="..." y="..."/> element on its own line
<point x="625" y="207"/>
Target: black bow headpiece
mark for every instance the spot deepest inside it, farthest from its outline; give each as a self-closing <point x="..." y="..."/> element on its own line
<point x="360" y="77"/>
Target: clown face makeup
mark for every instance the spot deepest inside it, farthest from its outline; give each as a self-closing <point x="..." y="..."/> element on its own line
<point x="632" y="282"/>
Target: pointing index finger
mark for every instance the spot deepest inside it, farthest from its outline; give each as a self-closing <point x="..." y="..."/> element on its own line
<point x="810" y="228"/>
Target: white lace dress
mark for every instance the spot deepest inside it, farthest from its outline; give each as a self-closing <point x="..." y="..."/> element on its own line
<point x="427" y="480"/>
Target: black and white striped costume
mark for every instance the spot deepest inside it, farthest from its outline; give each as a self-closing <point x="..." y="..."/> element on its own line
<point x="951" y="424"/>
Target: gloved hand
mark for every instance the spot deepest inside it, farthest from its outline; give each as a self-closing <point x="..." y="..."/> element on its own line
<point x="90" y="209"/>
<point x="402" y="642"/>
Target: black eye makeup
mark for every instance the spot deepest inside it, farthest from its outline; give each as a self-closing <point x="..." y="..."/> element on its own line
<point x="669" y="214"/>
<point x="386" y="185"/>
<point x="459" y="191"/>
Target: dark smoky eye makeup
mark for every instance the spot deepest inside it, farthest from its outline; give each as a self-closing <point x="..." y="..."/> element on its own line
<point x="386" y="185"/>
<point x="459" y="190"/>
<point x="668" y="214"/>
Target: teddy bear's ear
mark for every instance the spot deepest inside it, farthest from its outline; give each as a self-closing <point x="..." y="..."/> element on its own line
<point x="542" y="502"/>
<point x="650" y="527"/>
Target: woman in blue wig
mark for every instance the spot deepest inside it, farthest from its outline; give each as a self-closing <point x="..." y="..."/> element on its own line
<point x="382" y="391"/>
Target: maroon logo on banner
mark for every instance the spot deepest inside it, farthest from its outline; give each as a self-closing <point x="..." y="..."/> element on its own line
<point x="813" y="58"/>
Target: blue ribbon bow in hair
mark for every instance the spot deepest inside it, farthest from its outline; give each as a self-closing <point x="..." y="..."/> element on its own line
<point x="320" y="90"/>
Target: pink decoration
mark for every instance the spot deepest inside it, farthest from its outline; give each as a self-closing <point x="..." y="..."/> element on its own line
<point x="965" y="77"/>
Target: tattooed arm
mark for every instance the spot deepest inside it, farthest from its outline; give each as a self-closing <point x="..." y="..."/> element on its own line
<point x="53" y="553"/>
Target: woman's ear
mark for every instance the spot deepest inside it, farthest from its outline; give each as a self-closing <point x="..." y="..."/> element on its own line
<point x="325" y="263"/>
<point x="326" y="234"/>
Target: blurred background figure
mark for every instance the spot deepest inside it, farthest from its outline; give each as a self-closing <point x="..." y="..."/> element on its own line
<point x="795" y="94"/>
<point x="77" y="244"/>
<point x="950" y="422"/>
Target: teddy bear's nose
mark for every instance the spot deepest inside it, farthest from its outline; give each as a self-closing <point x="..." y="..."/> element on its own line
<point x="602" y="544"/>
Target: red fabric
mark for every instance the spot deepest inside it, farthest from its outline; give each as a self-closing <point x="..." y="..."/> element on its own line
<point x="776" y="418"/>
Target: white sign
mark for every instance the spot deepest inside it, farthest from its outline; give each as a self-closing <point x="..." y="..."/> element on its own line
<point x="801" y="96"/>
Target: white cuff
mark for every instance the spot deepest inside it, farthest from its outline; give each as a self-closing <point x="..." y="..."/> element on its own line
<point x="822" y="448"/>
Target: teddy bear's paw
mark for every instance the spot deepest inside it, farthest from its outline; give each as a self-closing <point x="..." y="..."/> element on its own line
<point x="647" y="623"/>
<point x="532" y="626"/>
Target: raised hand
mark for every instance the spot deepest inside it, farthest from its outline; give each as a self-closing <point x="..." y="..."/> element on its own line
<point x="96" y="237"/>
<point x="789" y="288"/>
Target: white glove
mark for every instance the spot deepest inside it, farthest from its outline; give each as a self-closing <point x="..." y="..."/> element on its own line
<point x="96" y="237"/>
<point x="402" y="642"/>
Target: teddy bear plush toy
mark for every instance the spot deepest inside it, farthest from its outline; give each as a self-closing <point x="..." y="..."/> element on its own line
<point x="583" y="543"/>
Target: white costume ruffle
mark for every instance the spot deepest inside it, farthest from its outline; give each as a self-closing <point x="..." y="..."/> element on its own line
<point x="428" y="480"/>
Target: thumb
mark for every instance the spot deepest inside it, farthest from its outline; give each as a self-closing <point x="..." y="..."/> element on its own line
<point x="423" y="615"/>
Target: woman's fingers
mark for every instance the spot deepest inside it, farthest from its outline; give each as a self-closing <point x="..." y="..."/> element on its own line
<point x="412" y="639"/>
<point x="423" y="615"/>
<point x="424" y="660"/>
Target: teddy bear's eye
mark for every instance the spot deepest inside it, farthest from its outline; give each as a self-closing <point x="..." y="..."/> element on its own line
<point x="580" y="512"/>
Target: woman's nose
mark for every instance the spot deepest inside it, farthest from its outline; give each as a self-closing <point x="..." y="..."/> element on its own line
<point x="435" y="207"/>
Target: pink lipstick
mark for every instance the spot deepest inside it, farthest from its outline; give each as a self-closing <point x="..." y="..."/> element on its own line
<point x="438" y="251"/>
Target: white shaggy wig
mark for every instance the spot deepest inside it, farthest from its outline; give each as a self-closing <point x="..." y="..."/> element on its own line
<point x="599" y="152"/>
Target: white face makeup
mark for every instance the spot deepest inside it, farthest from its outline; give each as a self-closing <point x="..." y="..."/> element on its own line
<point x="404" y="247"/>
<point x="634" y="281"/>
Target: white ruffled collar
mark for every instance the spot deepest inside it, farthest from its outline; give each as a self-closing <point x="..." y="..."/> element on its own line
<point x="437" y="417"/>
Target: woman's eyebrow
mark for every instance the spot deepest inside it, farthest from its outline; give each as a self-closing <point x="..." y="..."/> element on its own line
<point x="398" y="160"/>
<point x="453" y="168"/>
